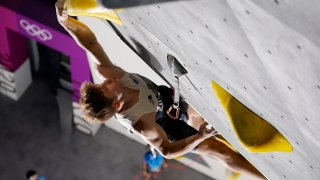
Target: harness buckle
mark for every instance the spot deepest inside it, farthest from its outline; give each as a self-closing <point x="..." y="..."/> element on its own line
<point x="173" y="111"/>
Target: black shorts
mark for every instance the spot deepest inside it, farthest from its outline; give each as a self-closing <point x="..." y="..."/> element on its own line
<point x="176" y="129"/>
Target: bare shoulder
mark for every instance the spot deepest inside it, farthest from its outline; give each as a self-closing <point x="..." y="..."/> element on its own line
<point x="144" y="126"/>
<point x="149" y="129"/>
<point x="111" y="72"/>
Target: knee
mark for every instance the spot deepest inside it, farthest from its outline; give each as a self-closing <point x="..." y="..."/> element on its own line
<point x="226" y="154"/>
<point x="218" y="150"/>
<point x="232" y="159"/>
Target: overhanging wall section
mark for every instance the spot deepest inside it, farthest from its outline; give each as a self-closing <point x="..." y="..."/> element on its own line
<point x="266" y="61"/>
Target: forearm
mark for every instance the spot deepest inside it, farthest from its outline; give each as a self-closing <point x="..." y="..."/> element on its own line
<point x="87" y="40"/>
<point x="80" y="32"/>
<point x="179" y="148"/>
<point x="82" y="35"/>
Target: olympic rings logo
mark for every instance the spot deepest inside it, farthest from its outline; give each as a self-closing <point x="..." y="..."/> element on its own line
<point x="34" y="30"/>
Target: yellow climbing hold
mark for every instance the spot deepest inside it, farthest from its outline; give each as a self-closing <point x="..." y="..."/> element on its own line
<point x="91" y="8"/>
<point x="233" y="175"/>
<point x="254" y="133"/>
<point x="179" y="157"/>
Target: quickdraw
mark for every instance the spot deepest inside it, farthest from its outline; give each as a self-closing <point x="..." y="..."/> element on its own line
<point x="177" y="70"/>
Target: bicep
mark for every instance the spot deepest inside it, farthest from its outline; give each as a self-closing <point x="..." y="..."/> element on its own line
<point x="152" y="133"/>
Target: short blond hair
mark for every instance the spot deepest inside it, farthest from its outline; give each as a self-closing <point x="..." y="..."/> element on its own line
<point x="94" y="105"/>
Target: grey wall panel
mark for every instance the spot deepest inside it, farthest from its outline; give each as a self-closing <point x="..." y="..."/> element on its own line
<point x="302" y="16"/>
<point x="268" y="61"/>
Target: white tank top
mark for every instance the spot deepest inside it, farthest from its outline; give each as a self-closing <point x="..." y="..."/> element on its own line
<point x="148" y="99"/>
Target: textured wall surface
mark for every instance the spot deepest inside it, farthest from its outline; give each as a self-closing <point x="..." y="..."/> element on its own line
<point x="265" y="53"/>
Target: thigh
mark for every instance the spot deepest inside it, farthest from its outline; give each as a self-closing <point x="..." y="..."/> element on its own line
<point x="214" y="148"/>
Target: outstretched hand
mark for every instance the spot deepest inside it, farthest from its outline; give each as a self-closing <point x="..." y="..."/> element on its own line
<point x="60" y="12"/>
<point x="205" y="132"/>
<point x="78" y="30"/>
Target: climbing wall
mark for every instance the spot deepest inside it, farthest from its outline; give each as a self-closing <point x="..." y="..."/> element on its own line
<point x="264" y="53"/>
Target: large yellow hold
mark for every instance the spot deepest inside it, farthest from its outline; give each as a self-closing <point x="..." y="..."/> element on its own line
<point x="91" y="8"/>
<point x="254" y="133"/>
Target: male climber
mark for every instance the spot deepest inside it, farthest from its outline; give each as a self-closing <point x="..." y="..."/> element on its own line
<point x="140" y="106"/>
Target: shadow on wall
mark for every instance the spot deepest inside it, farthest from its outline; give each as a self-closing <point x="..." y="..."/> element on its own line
<point x="131" y="3"/>
<point x="141" y="51"/>
<point x="147" y="57"/>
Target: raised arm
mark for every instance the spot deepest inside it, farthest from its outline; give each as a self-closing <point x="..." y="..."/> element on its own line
<point x="88" y="41"/>
<point x="155" y="136"/>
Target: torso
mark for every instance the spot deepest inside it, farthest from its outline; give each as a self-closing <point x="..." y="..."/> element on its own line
<point x="134" y="101"/>
<point x="134" y="105"/>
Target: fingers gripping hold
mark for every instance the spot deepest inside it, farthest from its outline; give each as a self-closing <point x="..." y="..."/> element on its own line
<point x="207" y="130"/>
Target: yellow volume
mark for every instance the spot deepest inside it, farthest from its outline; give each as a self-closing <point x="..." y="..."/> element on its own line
<point x="91" y="8"/>
<point x="254" y="133"/>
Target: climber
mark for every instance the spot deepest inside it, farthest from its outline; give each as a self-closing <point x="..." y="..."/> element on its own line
<point x="140" y="106"/>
